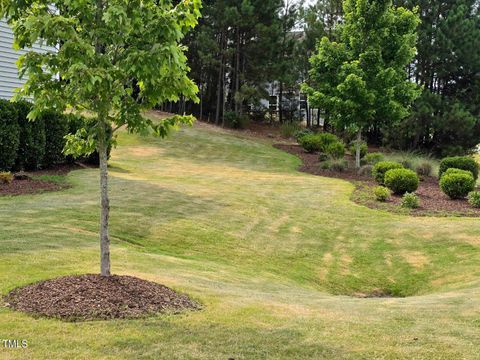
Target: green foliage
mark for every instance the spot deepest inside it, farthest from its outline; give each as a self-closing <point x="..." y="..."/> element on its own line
<point x="361" y="80"/>
<point x="317" y="142"/>
<point x="6" y="177"/>
<point x="474" y="199"/>
<point x="337" y="165"/>
<point x="363" y="148"/>
<point x="373" y="158"/>
<point x="366" y="170"/>
<point x="335" y="150"/>
<point x="381" y="193"/>
<point x="424" y="169"/>
<point x="457" y="183"/>
<point x="301" y="133"/>
<point x="9" y="135"/>
<point x="401" y="181"/>
<point x="236" y="121"/>
<point x="380" y="168"/>
<point x="459" y="162"/>
<point x="32" y="144"/>
<point x="116" y="60"/>
<point x="56" y="127"/>
<point x="289" y="129"/>
<point x="410" y="201"/>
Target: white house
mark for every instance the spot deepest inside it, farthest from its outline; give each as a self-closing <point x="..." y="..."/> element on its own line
<point x="9" y="79"/>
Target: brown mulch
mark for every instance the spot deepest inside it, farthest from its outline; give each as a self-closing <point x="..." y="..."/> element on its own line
<point x="432" y="200"/>
<point x="94" y="297"/>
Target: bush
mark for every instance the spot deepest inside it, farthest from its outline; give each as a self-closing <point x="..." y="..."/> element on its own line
<point x="407" y="164"/>
<point x="56" y="127"/>
<point x="424" y="169"/>
<point x="459" y="162"/>
<point x="335" y="150"/>
<point x="337" y="165"/>
<point x="381" y="193"/>
<point x="363" y="149"/>
<point x="401" y="181"/>
<point x="301" y="133"/>
<point x="288" y="129"/>
<point x="310" y="142"/>
<point x="410" y="201"/>
<point x="31" y="149"/>
<point x="9" y="135"/>
<point x="365" y="170"/>
<point x="474" y="199"/>
<point x="382" y="167"/>
<point x="457" y="183"/>
<point x="325" y="139"/>
<point x="6" y="177"/>
<point x="236" y="121"/>
<point x="373" y="158"/>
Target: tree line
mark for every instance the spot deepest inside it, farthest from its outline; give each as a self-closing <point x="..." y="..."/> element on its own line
<point x="240" y="48"/>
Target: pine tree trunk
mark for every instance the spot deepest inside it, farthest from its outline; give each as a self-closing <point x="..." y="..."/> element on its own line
<point x="357" y="149"/>
<point x="280" y="101"/>
<point x="105" y="204"/>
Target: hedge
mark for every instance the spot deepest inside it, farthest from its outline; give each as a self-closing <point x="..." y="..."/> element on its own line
<point x="9" y="135"/>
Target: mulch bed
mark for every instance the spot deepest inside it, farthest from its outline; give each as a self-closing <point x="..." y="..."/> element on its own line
<point x="27" y="184"/>
<point x="433" y="202"/>
<point x="94" y="297"/>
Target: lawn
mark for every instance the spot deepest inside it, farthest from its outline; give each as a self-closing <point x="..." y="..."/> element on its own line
<point x="278" y="258"/>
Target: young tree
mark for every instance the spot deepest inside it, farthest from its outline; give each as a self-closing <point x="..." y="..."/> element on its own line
<point x="361" y="79"/>
<point x="114" y="60"/>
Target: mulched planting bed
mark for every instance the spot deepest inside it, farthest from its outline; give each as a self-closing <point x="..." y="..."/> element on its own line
<point x="433" y="202"/>
<point x="94" y="297"/>
<point x="30" y="186"/>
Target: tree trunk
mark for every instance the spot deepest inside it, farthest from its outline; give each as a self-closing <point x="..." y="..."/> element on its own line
<point x="280" y="100"/>
<point x="237" y="73"/>
<point x="105" y="203"/>
<point x="357" y="149"/>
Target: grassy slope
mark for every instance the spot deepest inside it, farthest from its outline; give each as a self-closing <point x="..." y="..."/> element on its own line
<point x="229" y="221"/>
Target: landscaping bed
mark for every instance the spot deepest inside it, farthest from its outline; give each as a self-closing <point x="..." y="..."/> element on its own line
<point x="432" y="200"/>
<point x="93" y="297"/>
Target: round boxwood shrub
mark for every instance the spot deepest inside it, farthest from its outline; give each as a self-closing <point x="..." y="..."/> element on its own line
<point x="335" y="150"/>
<point x="381" y="193"/>
<point x="31" y="149"/>
<point x="9" y="135"/>
<point x="474" y="199"/>
<point x="301" y="133"/>
<point x="457" y="183"/>
<point x="401" y="181"/>
<point x="310" y="142"/>
<point x="382" y="167"/>
<point x="459" y="162"/>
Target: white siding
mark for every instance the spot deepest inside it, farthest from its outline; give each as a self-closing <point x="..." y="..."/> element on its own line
<point x="9" y="79"/>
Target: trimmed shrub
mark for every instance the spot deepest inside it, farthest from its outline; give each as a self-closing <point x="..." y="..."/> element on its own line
<point x="457" y="183"/>
<point x="310" y="142"/>
<point x="325" y="139"/>
<point x="474" y="199"/>
<point x="459" y="162"/>
<point x="410" y="201"/>
<point x="374" y="158"/>
<point x="363" y="148"/>
<point x="31" y="149"/>
<point x="381" y="193"/>
<point x="301" y="133"/>
<point x="382" y="167"/>
<point x="335" y="150"/>
<point x="365" y="170"/>
<point x="56" y="127"/>
<point x="401" y="181"/>
<point x="6" y="177"/>
<point x="424" y="169"/>
<point x="9" y="135"/>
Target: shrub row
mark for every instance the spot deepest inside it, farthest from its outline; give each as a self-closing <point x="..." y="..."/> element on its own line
<point x="30" y="145"/>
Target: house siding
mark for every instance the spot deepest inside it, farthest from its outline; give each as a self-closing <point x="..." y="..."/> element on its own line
<point x="9" y="79"/>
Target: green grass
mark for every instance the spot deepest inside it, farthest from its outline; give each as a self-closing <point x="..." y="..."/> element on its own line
<point x="271" y="253"/>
